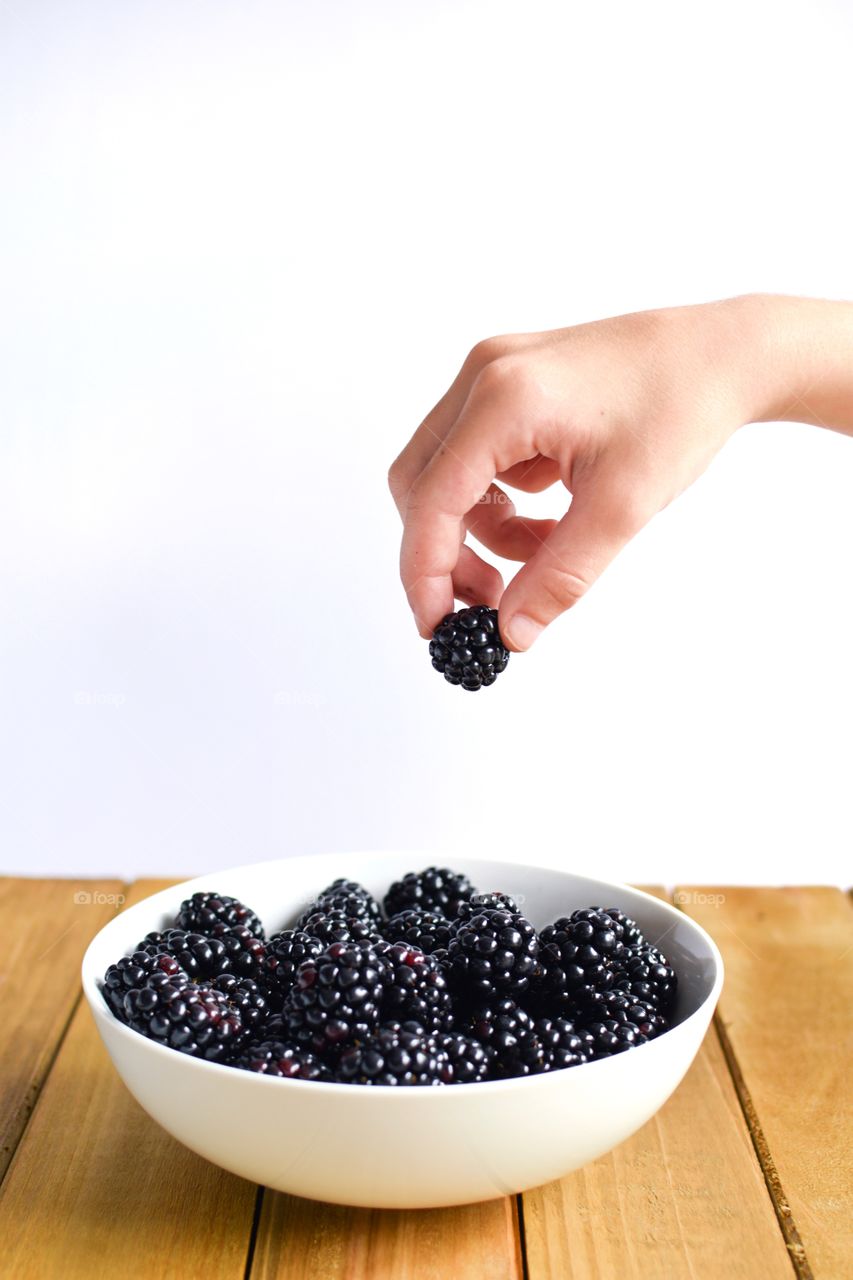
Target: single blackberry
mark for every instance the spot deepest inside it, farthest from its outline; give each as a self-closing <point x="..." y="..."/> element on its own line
<point x="645" y="973"/>
<point x="275" y="1058"/>
<point x="436" y="889"/>
<point x="579" y="956"/>
<point x="486" y="902"/>
<point x="211" y="913"/>
<point x="203" y="956"/>
<point x="494" y="953"/>
<point x="611" y="1037"/>
<point x="336" y="997"/>
<point x="499" y="1027"/>
<point x="196" y="1020"/>
<point x="565" y="1044"/>
<point x="631" y="934"/>
<point x="398" y="1053"/>
<point x="419" y="928"/>
<point x="467" y="649"/>
<point x="245" y="996"/>
<point x="415" y="987"/>
<point x="348" y="896"/>
<point x="134" y="971"/>
<point x="463" y="1059"/>
<point x="336" y="926"/>
<point x="285" y="953"/>
<point x="621" y="1006"/>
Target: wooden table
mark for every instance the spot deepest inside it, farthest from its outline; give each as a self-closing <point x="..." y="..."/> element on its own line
<point x="744" y="1173"/>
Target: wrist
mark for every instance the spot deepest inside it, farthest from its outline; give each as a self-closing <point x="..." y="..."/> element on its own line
<point x="796" y="359"/>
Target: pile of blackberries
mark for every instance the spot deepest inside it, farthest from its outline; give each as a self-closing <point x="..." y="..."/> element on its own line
<point x="438" y="985"/>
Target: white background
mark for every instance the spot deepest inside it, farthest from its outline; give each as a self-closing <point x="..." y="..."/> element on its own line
<point x="243" y="248"/>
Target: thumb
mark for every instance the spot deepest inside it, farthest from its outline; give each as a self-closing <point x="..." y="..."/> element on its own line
<point x="602" y="518"/>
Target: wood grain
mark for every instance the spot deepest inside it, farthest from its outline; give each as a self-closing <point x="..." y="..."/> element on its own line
<point x="303" y="1240"/>
<point x="785" y="1017"/>
<point x="684" y="1197"/>
<point x="97" y="1189"/>
<point x="47" y="925"/>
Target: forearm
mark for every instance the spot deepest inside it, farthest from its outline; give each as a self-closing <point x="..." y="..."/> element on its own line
<point x="798" y="356"/>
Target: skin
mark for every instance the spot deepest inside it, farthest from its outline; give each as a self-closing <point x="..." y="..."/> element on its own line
<point x="625" y="413"/>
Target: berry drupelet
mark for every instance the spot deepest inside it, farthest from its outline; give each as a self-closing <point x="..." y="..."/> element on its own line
<point x="419" y="928"/>
<point x="467" y="648"/>
<point x="493" y="953"/>
<point x="275" y="1058"/>
<point x="435" y="889"/>
<point x="211" y="913"/>
<point x="398" y="1053"/>
<point x="336" y="998"/>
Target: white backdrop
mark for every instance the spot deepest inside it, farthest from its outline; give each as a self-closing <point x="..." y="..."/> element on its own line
<point x="243" y="248"/>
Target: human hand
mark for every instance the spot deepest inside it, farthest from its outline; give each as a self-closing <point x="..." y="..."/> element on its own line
<point x="625" y="412"/>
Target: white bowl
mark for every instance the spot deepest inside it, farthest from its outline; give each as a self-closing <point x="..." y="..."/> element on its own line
<point x="383" y="1147"/>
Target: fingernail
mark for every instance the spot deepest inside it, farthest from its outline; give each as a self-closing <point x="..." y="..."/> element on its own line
<point x="521" y="631"/>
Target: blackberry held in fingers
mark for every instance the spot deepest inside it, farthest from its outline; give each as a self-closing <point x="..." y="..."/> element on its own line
<point x="467" y="649"/>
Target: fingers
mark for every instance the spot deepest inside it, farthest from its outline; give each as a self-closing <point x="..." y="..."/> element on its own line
<point x="458" y="475"/>
<point x="474" y="581"/>
<point x="604" y="516"/>
<point x="494" y="523"/>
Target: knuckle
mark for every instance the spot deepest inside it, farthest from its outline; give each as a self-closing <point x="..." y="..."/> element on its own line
<point x="397" y="482"/>
<point x="508" y="375"/>
<point x="483" y="353"/>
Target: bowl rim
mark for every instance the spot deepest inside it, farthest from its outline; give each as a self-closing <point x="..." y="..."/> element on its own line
<point x="101" y="1011"/>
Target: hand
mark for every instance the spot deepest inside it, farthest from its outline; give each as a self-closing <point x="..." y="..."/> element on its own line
<point x="626" y="413"/>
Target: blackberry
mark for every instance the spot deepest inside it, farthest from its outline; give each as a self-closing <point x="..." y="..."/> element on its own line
<point x="646" y="974"/>
<point x="336" y="926"/>
<point x="463" y="1059"/>
<point x="196" y="1020"/>
<point x="285" y="953"/>
<point x="245" y="996"/>
<point x="419" y="928"/>
<point x="398" y="1053"/>
<point x="493" y="953"/>
<point x="236" y="950"/>
<point x="565" y="1044"/>
<point x="336" y="997"/>
<point x="134" y="971"/>
<point x="499" y="1027"/>
<point x="275" y="1058"/>
<point x="415" y="988"/>
<point x="486" y="901"/>
<point x="436" y="889"/>
<point x="467" y="649"/>
<point x="579" y="957"/>
<point x="348" y="896"/>
<point x="621" y="1006"/>
<point x="631" y="934"/>
<point x="211" y="913"/>
<point x="610" y="1036"/>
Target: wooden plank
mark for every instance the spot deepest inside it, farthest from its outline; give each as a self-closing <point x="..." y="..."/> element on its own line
<point x="47" y="925"/>
<point x="785" y="1020"/>
<point x="683" y="1197"/>
<point x="303" y="1240"/>
<point x="97" y="1189"/>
